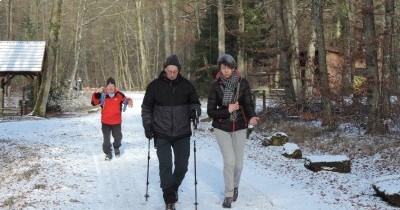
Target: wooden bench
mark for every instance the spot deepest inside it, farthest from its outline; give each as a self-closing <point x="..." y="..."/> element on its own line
<point x="10" y="111"/>
<point x="274" y="93"/>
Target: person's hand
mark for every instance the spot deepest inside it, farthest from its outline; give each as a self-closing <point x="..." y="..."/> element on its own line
<point x="254" y="121"/>
<point x="130" y="103"/>
<point x="233" y="107"/>
<point x="148" y="131"/>
<point x="194" y="114"/>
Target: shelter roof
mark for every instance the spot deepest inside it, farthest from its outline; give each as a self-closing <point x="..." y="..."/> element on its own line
<point x="21" y="56"/>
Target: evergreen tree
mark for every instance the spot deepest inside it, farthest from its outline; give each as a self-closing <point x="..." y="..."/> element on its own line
<point x="27" y="30"/>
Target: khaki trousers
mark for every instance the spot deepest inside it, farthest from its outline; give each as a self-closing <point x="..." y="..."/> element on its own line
<point x="231" y="145"/>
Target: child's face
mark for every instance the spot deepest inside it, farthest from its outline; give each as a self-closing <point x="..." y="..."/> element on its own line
<point x="110" y="88"/>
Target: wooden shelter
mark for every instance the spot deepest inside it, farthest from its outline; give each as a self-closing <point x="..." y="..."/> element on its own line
<point x="24" y="58"/>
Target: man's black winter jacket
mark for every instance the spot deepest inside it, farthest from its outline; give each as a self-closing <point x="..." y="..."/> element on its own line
<point x="167" y="105"/>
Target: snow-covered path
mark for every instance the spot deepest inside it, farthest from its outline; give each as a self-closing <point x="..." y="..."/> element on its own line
<point x="71" y="172"/>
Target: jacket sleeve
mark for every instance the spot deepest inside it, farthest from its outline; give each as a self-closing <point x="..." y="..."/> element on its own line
<point x="194" y="101"/>
<point x="246" y="101"/>
<point x="213" y="110"/>
<point x="96" y="99"/>
<point x="148" y="107"/>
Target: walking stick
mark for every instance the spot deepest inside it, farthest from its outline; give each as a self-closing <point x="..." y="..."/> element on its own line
<point x="195" y="122"/>
<point x="148" y="163"/>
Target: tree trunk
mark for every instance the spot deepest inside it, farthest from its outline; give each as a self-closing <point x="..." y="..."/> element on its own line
<point x="387" y="57"/>
<point x="310" y="67"/>
<point x="374" y="123"/>
<point x="221" y="27"/>
<point x="9" y="20"/>
<point x="284" y="66"/>
<point x="167" y="21"/>
<point x="50" y="60"/>
<point x="142" y="51"/>
<point x="77" y="46"/>
<point x="348" y="67"/>
<point x="396" y="51"/>
<point x="240" y="56"/>
<point x="198" y="19"/>
<point x="173" y="25"/>
<point x="294" y="32"/>
<point x="317" y="6"/>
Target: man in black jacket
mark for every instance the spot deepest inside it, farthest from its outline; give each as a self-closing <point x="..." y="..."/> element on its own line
<point x="169" y="105"/>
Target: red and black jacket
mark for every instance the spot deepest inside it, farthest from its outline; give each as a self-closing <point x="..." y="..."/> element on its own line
<point x="111" y="107"/>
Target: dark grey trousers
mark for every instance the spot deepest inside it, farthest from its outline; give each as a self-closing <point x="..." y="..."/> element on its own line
<point x="172" y="177"/>
<point x="116" y="132"/>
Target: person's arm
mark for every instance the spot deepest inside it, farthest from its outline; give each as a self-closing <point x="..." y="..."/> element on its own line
<point x="148" y="107"/>
<point x="248" y="103"/>
<point x="195" y="105"/>
<point x="96" y="96"/>
<point x="213" y="110"/>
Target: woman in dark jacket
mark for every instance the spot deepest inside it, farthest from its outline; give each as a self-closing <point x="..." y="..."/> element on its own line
<point x="231" y="106"/>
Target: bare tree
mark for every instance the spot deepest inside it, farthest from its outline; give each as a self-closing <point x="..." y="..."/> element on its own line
<point x="221" y="27"/>
<point x="142" y="51"/>
<point x="284" y="66"/>
<point x="347" y="17"/>
<point x="167" y="20"/>
<point x="310" y="66"/>
<point x="198" y="29"/>
<point x="9" y="20"/>
<point x="387" y="55"/>
<point x="374" y="124"/>
<point x="51" y="59"/>
<point x="294" y="37"/>
<point x="317" y="6"/>
<point x="80" y="24"/>
<point x="240" y="55"/>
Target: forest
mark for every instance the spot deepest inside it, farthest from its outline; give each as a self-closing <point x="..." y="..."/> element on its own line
<point x="333" y="60"/>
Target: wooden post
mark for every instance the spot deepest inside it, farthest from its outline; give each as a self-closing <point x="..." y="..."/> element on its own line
<point x="1" y="96"/>
<point x="264" y="100"/>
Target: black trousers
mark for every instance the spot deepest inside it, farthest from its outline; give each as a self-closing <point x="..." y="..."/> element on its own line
<point x="172" y="175"/>
<point x="116" y="132"/>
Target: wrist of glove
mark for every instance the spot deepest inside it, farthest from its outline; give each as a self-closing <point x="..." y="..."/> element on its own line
<point x="148" y="131"/>
<point x="194" y="114"/>
<point x="97" y="95"/>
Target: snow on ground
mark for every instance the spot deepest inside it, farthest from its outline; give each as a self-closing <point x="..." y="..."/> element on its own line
<point x="58" y="163"/>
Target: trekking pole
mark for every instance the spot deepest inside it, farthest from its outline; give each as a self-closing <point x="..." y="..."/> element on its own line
<point x="195" y="122"/>
<point x="148" y="163"/>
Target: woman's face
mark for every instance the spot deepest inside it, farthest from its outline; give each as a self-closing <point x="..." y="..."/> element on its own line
<point x="226" y="71"/>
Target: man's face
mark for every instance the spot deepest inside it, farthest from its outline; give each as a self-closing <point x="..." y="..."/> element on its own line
<point x="172" y="72"/>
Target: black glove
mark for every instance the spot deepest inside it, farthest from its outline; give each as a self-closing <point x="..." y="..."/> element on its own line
<point x="194" y="117"/>
<point x="148" y="131"/>
<point x="97" y="95"/>
<point x="193" y="114"/>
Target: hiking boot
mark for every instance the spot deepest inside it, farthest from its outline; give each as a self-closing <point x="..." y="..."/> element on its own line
<point x="235" y="193"/>
<point x="108" y="156"/>
<point x="227" y="202"/>
<point x="117" y="152"/>
<point x="170" y="206"/>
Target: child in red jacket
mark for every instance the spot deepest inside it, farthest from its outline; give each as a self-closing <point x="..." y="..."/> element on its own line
<point x="112" y="103"/>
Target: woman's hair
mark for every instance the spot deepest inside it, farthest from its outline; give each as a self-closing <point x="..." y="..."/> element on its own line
<point x="227" y="60"/>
